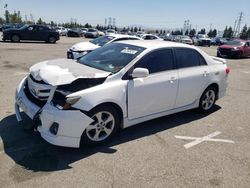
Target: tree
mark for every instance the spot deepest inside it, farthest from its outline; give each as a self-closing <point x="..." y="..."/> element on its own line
<point x="40" y="21"/>
<point x="202" y="31"/>
<point x="192" y="32"/>
<point x="15" y="17"/>
<point x="243" y="34"/>
<point x="248" y="33"/>
<point x="2" y="20"/>
<point x="7" y="16"/>
<point x="135" y="29"/>
<point x="228" y="32"/>
<point x="186" y="33"/>
<point x="225" y="32"/>
<point x="214" y="33"/>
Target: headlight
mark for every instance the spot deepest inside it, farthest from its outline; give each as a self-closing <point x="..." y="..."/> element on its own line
<point x="70" y="101"/>
<point x="235" y="49"/>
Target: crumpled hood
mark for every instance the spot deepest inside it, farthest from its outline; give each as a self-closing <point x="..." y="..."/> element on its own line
<point x="84" y="46"/>
<point x="64" y="71"/>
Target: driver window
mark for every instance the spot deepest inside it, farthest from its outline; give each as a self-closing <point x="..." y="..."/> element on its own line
<point x="157" y="61"/>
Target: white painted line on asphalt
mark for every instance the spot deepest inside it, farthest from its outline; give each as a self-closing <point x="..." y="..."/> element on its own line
<point x="21" y="73"/>
<point x="246" y="72"/>
<point x="198" y="140"/>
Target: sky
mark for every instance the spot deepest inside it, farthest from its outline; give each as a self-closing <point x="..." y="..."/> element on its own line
<point x="158" y="14"/>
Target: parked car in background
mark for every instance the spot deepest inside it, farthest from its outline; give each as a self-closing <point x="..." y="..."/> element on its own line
<point x="183" y="39"/>
<point x="150" y="37"/>
<point x="100" y="33"/>
<point x="84" y="30"/>
<point x="62" y="31"/>
<point x="140" y="34"/>
<point x="116" y="86"/>
<point x="202" y="40"/>
<point x="218" y="41"/>
<point x="110" y="31"/>
<point x="75" y="32"/>
<point x="91" y="33"/>
<point x="31" y="32"/>
<point x="83" y="48"/>
<point x="234" y="49"/>
<point x="9" y="26"/>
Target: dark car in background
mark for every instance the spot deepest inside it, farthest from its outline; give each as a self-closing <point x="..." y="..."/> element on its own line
<point x="234" y="49"/>
<point x="9" y="26"/>
<point x="32" y="32"/>
<point x="75" y="32"/>
<point x="218" y="41"/>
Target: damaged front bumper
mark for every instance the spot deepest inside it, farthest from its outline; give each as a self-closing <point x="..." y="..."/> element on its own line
<point x="70" y="124"/>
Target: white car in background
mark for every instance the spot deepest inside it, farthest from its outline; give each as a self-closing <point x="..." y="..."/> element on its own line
<point x="83" y="48"/>
<point x="150" y="37"/>
<point x="62" y="31"/>
<point x="117" y="86"/>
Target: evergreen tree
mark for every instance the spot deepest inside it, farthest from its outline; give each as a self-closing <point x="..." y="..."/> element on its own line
<point x="243" y="34"/>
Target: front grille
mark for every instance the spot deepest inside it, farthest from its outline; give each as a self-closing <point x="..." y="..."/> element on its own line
<point x="206" y="42"/>
<point x="225" y="51"/>
<point x="36" y="91"/>
<point x="34" y="100"/>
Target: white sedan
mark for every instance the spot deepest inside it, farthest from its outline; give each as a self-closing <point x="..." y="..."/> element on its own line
<point x="117" y="86"/>
<point x="83" y="48"/>
<point x="150" y="37"/>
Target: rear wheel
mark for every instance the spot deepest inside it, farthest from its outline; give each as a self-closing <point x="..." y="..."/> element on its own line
<point x="15" y="38"/>
<point x="103" y="128"/>
<point x="207" y="99"/>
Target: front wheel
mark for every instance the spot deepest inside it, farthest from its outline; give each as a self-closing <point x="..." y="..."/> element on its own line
<point x="105" y="124"/>
<point x="207" y="99"/>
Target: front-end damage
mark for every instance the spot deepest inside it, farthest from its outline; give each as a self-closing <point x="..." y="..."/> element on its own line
<point x="45" y="104"/>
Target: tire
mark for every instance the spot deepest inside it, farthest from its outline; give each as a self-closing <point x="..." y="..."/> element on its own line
<point x="15" y="38"/>
<point x="239" y="56"/>
<point x="208" y="99"/>
<point x="52" y="40"/>
<point x="106" y="124"/>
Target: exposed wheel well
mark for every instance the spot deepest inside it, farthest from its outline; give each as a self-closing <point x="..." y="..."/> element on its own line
<point x="117" y="107"/>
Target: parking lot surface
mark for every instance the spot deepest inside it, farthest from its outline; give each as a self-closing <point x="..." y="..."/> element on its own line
<point x="187" y="149"/>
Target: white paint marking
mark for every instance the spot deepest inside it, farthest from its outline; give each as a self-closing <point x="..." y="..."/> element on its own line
<point x="198" y="140"/>
<point x="246" y="72"/>
<point x="21" y="73"/>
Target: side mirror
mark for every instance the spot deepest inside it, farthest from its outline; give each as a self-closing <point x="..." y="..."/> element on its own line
<point x="140" y="73"/>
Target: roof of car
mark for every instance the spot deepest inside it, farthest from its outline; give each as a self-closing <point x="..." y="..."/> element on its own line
<point x="122" y="36"/>
<point x="155" y="44"/>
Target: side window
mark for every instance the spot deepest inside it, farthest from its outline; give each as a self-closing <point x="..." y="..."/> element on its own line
<point x="157" y="61"/>
<point x="188" y="58"/>
<point x="31" y="28"/>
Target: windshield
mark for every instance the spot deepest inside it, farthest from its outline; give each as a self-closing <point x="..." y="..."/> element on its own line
<point x="235" y="43"/>
<point x="112" y="57"/>
<point x="91" y="30"/>
<point x="102" y="40"/>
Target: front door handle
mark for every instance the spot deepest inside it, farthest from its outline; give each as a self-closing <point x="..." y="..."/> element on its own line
<point x="206" y="73"/>
<point x="172" y="79"/>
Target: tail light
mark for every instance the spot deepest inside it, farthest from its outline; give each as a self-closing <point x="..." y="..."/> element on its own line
<point x="227" y="70"/>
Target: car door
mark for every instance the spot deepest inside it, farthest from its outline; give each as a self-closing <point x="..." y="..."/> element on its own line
<point x="248" y="48"/>
<point x="194" y="75"/>
<point x="157" y="92"/>
<point x="29" y="33"/>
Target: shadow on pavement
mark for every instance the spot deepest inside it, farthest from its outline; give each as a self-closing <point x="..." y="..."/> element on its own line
<point x="31" y="152"/>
